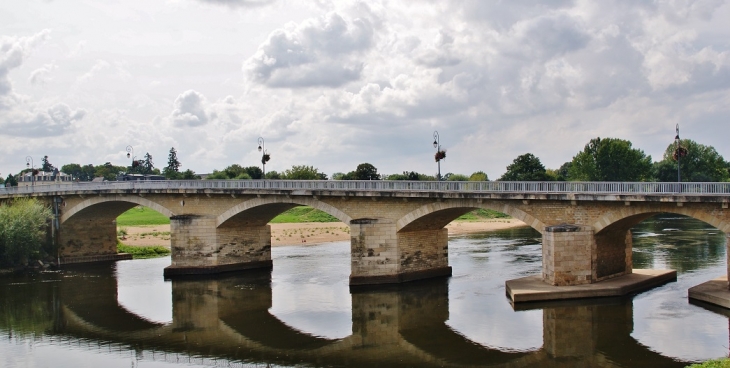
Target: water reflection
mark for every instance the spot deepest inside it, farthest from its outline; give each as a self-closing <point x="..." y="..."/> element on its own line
<point x="304" y="314"/>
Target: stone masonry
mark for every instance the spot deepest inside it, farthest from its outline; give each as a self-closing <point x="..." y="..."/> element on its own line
<point x="396" y="236"/>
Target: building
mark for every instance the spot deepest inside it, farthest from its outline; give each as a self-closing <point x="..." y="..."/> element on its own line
<point x="44" y="178"/>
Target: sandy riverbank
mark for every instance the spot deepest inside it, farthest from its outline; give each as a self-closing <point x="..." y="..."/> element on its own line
<point x="309" y="232"/>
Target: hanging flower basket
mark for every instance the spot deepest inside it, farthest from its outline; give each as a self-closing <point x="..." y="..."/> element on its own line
<point x="440" y="155"/>
<point x="265" y="158"/>
<point x="34" y="172"/>
<point x="679" y="153"/>
<point x="135" y="163"/>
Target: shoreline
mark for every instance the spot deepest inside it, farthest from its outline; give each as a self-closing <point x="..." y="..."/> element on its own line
<point x="308" y="233"/>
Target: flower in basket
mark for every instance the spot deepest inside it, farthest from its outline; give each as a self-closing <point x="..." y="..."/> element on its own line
<point x="679" y="153"/>
<point x="135" y="163"/>
<point x="265" y="158"/>
<point x="440" y="155"/>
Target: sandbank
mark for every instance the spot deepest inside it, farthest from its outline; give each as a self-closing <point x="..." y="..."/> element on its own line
<point x="308" y="232"/>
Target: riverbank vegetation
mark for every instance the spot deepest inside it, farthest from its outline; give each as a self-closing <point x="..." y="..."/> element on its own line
<point x="715" y="363"/>
<point x="23" y="230"/>
<point x="143" y="252"/>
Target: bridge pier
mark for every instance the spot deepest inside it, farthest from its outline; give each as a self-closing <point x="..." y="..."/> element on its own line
<point x="381" y="255"/>
<point x="574" y="255"/>
<point x="199" y="247"/>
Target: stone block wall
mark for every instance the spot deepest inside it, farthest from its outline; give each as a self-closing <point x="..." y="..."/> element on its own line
<point x="374" y="250"/>
<point x="193" y="241"/>
<point x="568" y="255"/>
<point x="87" y="238"/>
<point x="423" y="250"/>
<point x="244" y="245"/>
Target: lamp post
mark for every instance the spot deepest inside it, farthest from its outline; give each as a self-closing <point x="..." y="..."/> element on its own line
<point x="679" y="154"/>
<point x="437" y="146"/>
<point x="265" y="157"/>
<point x="29" y="164"/>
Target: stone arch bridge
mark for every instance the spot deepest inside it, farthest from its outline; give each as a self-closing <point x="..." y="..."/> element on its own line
<point x="397" y="227"/>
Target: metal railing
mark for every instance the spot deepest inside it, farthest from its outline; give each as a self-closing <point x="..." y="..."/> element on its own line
<point x="384" y="186"/>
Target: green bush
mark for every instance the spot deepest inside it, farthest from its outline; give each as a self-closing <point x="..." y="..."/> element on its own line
<point x="23" y="225"/>
<point x="718" y="363"/>
<point x="143" y="252"/>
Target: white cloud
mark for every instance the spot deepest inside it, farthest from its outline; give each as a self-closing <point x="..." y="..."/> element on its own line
<point x="41" y="75"/>
<point x="19" y="115"/>
<point x="189" y="110"/>
<point x="318" y="52"/>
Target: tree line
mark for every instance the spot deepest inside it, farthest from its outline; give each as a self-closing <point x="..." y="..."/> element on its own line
<point x="602" y="159"/>
<point x="613" y="159"/>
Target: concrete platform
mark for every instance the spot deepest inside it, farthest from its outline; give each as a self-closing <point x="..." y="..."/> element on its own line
<point x="532" y="288"/>
<point x="714" y="292"/>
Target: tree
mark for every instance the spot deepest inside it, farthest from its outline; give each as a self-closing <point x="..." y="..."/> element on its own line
<point x="189" y="175"/>
<point x="701" y="164"/>
<point x="526" y="167"/>
<point x="610" y="159"/>
<point x="366" y="171"/>
<point x="108" y="171"/>
<point x="11" y="181"/>
<point x="149" y="166"/>
<point x="456" y="177"/>
<point x="47" y="166"/>
<point x="72" y="169"/>
<point x="273" y="175"/>
<point x="172" y="170"/>
<point x="254" y="172"/>
<point x="411" y="176"/>
<point x="303" y="172"/>
<point x="22" y="230"/>
<point x="479" y="176"/>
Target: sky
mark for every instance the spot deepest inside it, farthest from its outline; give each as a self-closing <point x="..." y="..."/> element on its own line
<point x="333" y="84"/>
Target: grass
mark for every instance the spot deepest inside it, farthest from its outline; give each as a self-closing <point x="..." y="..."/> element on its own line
<point x="303" y="214"/>
<point x="142" y="216"/>
<point x="143" y="252"/>
<point x="482" y="214"/>
<point x="715" y="363"/>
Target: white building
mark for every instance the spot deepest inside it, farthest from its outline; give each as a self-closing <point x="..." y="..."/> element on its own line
<point x="44" y="178"/>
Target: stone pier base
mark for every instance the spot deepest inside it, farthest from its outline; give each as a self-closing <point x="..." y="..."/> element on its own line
<point x="533" y="288"/>
<point x="714" y="292"/>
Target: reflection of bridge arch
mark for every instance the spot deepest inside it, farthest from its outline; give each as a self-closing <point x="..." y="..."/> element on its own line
<point x="438" y="214"/>
<point x="229" y="318"/>
<point x="267" y="208"/>
<point x="112" y="204"/>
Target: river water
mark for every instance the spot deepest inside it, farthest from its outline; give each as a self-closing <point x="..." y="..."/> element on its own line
<point x="303" y="313"/>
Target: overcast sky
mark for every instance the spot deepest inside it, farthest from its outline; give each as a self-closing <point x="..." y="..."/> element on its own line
<point x="337" y="83"/>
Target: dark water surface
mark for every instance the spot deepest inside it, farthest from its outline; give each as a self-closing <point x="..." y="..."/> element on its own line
<point x="303" y="313"/>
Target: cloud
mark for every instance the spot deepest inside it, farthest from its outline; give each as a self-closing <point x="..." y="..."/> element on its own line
<point x="13" y="51"/>
<point x="20" y="116"/>
<point x="41" y="75"/>
<point x="189" y="110"/>
<point x="240" y="3"/>
<point x="51" y="122"/>
<point x="326" y="51"/>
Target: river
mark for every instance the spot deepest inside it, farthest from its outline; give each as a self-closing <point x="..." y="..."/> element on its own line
<point x="303" y="313"/>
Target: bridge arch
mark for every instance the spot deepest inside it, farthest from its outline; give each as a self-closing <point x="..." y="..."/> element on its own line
<point x="67" y="214"/>
<point x="633" y="215"/>
<point x="284" y="203"/>
<point x="439" y="214"/>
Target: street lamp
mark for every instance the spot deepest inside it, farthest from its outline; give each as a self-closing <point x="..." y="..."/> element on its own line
<point x="29" y="164"/>
<point x="265" y="157"/>
<point x="679" y="155"/>
<point x="440" y="155"/>
<point x="130" y="153"/>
